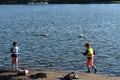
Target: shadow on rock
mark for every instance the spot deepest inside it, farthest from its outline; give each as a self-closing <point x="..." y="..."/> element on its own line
<point x="38" y="75"/>
<point x="70" y="76"/>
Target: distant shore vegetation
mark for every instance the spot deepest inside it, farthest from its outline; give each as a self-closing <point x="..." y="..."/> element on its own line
<point x="57" y="1"/>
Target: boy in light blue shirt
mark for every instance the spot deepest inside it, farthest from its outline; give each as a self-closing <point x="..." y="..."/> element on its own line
<point x="14" y="54"/>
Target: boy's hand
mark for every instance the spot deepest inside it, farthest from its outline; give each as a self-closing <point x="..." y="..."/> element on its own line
<point x="83" y="53"/>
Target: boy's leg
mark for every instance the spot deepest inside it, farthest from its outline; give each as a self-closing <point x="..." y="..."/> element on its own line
<point x="94" y="68"/>
<point x="88" y="65"/>
<point x="12" y="65"/>
<point x="13" y="61"/>
<point x="92" y="64"/>
<point x="88" y="69"/>
<point x="16" y="63"/>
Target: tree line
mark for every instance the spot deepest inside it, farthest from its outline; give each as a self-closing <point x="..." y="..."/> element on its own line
<point x="55" y="1"/>
<point x="79" y="1"/>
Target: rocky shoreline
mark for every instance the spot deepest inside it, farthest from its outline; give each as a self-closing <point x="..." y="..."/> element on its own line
<point x="10" y="74"/>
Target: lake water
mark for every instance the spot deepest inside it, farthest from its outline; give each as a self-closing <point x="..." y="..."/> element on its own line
<point x="64" y="24"/>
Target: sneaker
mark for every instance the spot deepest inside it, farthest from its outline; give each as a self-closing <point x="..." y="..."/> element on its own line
<point x="87" y="71"/>
<point x="17" y="68"/>
<point x="95" y="71"/>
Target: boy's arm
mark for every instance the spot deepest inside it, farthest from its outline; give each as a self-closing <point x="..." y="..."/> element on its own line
<point x="93" y="51"/>
<point x="19" y="50"/>
<point x="85" y="53"/>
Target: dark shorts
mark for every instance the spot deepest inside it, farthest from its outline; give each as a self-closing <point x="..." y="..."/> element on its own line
<point x="14" y="55"/>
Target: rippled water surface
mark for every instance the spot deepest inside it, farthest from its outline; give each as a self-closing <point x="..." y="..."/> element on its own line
<point x="63" y="24"/>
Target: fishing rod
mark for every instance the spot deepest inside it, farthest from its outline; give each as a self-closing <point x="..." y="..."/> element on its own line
<point x="7" y="38"/>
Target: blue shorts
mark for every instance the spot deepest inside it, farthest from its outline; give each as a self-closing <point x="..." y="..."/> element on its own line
<point x="14" y="55"/>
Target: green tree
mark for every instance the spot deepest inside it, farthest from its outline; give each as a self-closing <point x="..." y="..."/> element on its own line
<point x="22" y="1"/>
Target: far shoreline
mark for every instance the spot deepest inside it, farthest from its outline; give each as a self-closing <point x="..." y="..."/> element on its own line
<point x="112" y="2"/>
